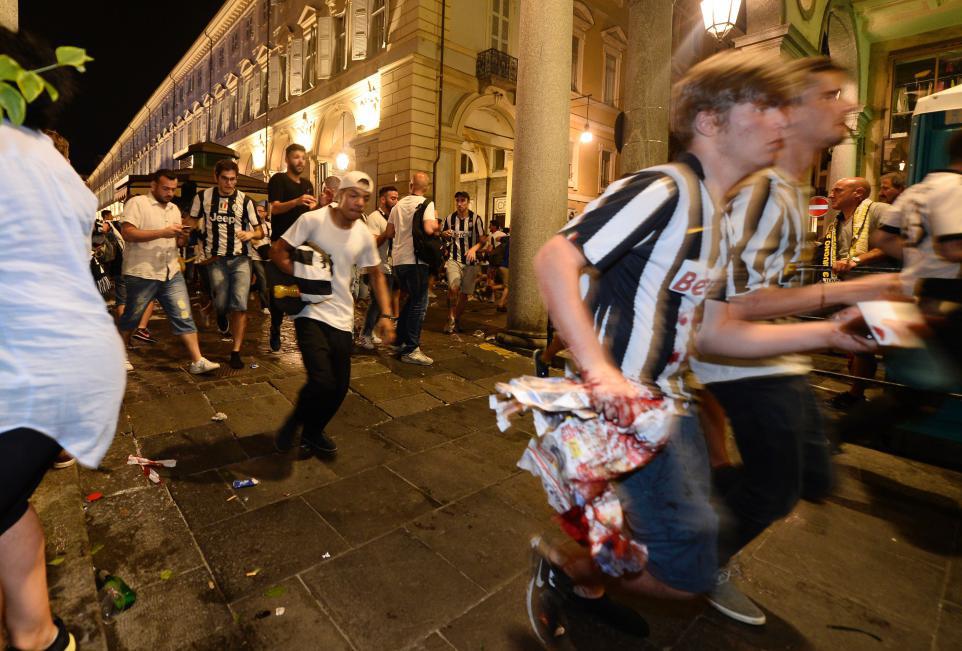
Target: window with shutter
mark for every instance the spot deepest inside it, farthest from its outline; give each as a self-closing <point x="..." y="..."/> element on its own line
<point x="340" y="43"/>
<point x="274" y="81"/>
<point x="359" y="17"/>
<point x="378" y="26"/>
<point x="295" y="58"/>
<point x="255" y="92"/>
<point x="325" y="49"/>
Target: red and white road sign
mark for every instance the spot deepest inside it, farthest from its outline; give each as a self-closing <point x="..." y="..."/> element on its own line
<point x="817" y="206"/>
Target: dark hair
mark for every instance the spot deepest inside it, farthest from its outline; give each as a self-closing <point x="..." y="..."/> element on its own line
<point x="383" y="191"/>
<point x="291" y="148"/>
<point x="163" y="172"/>
<point x="955" y="147"/>
<point x="494" y="223"/>
<point x="32" y="52"/>
<point x="462" y="193"/>
<point x="897" y="179"/>
<point x="225" y="165"/>
<point x="104" y="213"/>
<point x="59" y="142"/>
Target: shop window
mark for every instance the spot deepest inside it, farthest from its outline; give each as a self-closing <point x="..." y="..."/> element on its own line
<point x="498" y="162"/>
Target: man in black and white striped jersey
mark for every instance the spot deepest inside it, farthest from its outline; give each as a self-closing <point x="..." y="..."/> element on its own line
<point x="465" y="235"/>
<point x="228" y="222"/>
<point x="656" y="238"/>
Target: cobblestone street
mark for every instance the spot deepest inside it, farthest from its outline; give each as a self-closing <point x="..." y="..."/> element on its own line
<point x="416" y="535"/>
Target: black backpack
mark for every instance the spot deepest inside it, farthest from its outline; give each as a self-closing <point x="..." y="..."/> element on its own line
<point x="427" y="248"/>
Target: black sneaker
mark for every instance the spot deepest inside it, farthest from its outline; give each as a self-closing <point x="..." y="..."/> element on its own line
<point x="319" y="444"/>
<point x="275" y="340"/>
<point x="223" y="325"/>
<point x="844" y="400"/>
<point x="546" y="603"/>
<point x="610" y="613"/>
<point x="540" y="368"/>
<point x="284" y="439"/>
<point x="143" y="334"/>
<point x="235" y="361"/>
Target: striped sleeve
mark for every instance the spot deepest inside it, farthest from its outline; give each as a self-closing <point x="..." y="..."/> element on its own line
<point x="251" y="212"/>
<point x="628" y="212"/>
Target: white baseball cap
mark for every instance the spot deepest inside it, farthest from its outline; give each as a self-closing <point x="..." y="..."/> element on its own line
<point x="358" y="180"/>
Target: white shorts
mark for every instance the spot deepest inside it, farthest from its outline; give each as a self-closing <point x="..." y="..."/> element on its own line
<point x="461" y="276"/>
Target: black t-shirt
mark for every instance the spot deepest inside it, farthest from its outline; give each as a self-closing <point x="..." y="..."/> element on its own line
<point x="282" y="188"/>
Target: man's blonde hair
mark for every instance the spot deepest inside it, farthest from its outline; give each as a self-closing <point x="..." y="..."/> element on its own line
<point x="720" y="82"/>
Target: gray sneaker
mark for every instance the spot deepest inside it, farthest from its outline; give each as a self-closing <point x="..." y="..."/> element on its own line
<point x="727" y="599"/>
<point x="417" y="357"/>
<point x="203" y="365"/>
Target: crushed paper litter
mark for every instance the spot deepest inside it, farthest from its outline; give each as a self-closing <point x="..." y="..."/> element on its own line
<point x="219" y="416"/>
<point x="577" y="453"/>
<point x="143" y="461"/>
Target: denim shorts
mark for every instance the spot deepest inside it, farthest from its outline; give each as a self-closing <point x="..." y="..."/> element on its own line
<point x="230" y="283"/>
<point x="172" y="295"/>
<point x="666" y="507"/>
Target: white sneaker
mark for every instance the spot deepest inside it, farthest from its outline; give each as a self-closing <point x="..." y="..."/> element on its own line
<point x="365" y="342"/>
<point x="203" y="365"/>
<point x="417" y="357"/>
<point x="727" y="599"/>
<point x="377" y="340"/>
<point x="127" y="364"/>
<point x="265" y="311"/>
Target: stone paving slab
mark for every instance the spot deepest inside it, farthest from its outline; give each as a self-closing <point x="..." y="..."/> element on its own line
<point x="407" y="591"/>
<point x="196" y="449"/>
<point x="280" y="477"/>
<point x="255" y="416"/>
<point x="447" y="473"/>
<point x="276" y="541"/>
<point x="169" y="414"/>
<point x="408" y="405"/>
<point x="368" y="504"/>
<point x="303" y="624"/>
<point x="383" y="387"/>
<point x="205" y="498"/>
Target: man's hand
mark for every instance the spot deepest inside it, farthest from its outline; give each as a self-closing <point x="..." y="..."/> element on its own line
<point x="613" y="396"/>
<point x="448" y="234"/>
<point x="386" y="329"/>
<point x="172" y="231"/>
<point x="846" y="330"/>
<point x="245" y="236"/>
<point x="471" y="256"/>
<point x="843" y="266"/>
<point x="308" y="200"/>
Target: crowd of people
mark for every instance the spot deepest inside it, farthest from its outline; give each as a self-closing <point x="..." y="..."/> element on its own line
<point x="690" y="287"/>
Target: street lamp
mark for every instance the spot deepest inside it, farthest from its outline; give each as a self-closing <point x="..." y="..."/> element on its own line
<point x="720" y="16"/>
<point x="586" y="135"/>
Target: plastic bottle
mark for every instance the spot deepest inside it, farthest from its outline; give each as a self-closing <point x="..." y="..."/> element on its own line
<point x="115" y="595"/>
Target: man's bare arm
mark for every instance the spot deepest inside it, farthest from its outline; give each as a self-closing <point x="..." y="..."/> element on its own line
<point x="774" y="302"/>
<point x="281" y="256"/>
<point x="133" y="234"/>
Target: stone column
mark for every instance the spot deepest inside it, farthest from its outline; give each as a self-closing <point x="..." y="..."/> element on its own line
<point x="539" y="187"/>
<point x="647" y="84"/>
<point x="8" y="14"/>
<point x="845" y="154"/>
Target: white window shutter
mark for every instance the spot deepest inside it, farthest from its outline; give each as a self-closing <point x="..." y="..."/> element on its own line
<point x="255" y="93"/>
<point x="325" y="46"/>
<point x="359" y="30"/>
<point x="296" y="65"/>
<point x="274" y="81"/>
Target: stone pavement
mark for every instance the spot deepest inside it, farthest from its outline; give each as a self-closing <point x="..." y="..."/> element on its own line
<point x="415" y="536"/>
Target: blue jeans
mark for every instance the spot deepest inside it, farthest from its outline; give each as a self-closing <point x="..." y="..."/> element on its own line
<point x="172" y="295"/>
<point x="667" y="507"/>
<point x="373" y="309"/>
<point x="230" y="283"/>
<point x="413" y="279"/>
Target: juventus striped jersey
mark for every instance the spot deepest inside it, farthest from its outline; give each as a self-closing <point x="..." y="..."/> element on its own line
<point x="221" y="218"/>
<point x="467" y="232"/>
<point x="765" y="233"/>
<point x="655" y="240"/>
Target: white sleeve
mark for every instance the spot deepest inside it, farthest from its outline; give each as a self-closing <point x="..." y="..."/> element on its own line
<point x="945" y="215"/>
<point x="429" y="212"/>
<point x="298" y="233"/>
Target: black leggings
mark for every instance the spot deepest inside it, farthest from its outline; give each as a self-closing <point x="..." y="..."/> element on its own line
<point x="327" y="358"/>
<point x="25" y="457"/>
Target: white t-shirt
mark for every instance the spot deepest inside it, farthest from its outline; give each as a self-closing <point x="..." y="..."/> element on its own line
<point x="156" y="259"/>
<point x="376" y="223"/>
<point x="401" y="216"/>
<point x="924" y="214"/>
<point x="346" y="247"/>
<point x="61" y="359"/>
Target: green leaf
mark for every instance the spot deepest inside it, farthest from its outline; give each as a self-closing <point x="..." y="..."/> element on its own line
<point x="31" y="84"/>
<point x="58" y="560"/>
<point x="72" y="56"/>
<point x="54" y="94"/>
<point x="8" y="68"/>
<point x="12" y="103"/>
<point x="276" y="591"/>
<point x="96" y="548"/>
<point x="166" y="574"/>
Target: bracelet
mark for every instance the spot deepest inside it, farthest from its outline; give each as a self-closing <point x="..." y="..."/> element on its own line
<point x="388" y="316"/>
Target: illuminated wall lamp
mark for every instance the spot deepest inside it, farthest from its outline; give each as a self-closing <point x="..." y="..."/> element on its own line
<point x="586" y="135"/>
<point x="720" y="16"/>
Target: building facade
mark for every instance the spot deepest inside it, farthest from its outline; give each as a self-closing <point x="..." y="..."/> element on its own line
<point x="389" y="87"/>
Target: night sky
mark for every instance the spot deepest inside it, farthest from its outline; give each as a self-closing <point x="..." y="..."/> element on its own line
<point x="134" y="44"/>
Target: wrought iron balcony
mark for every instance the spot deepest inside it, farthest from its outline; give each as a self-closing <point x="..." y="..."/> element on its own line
<point x="497" y="68"/>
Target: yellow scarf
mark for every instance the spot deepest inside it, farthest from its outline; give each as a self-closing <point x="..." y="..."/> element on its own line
<point x="858" y="246"/>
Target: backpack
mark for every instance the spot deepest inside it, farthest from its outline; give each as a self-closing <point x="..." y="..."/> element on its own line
<point x="427" y="248"/>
